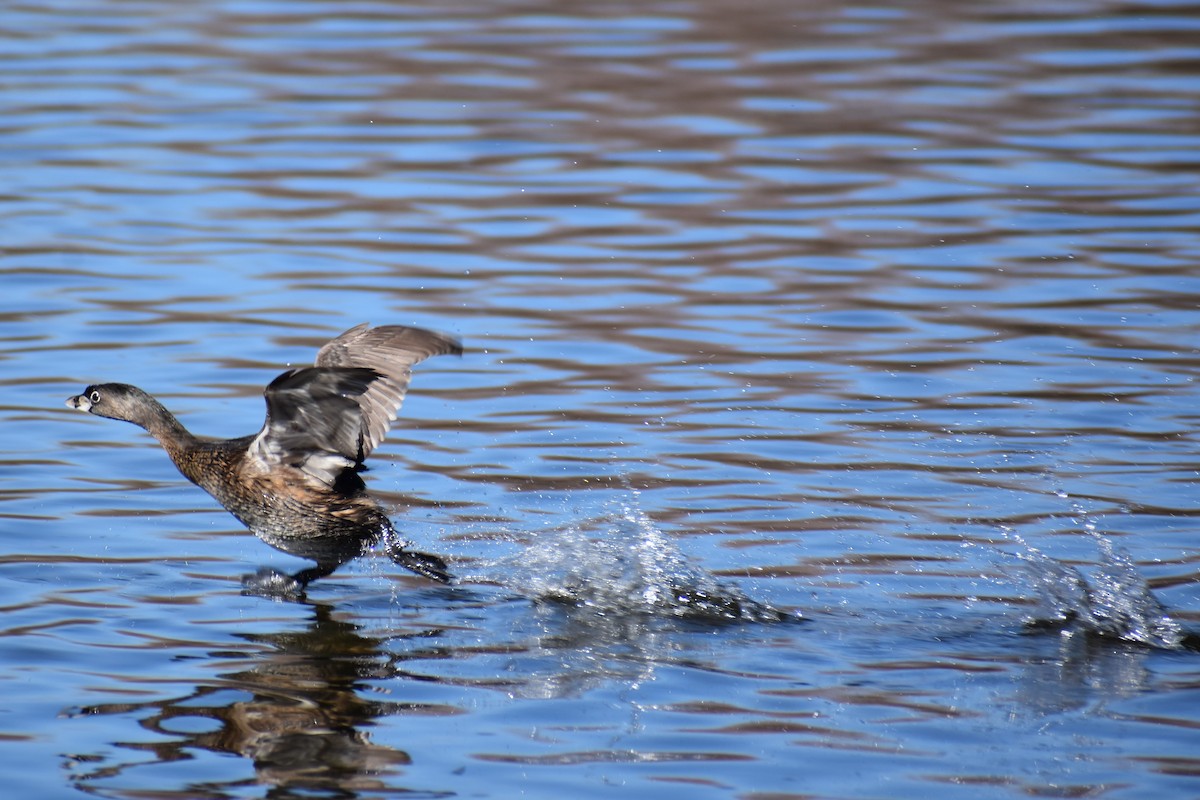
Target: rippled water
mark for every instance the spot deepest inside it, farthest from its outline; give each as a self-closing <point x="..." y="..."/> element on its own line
<point x="883" y="317"/>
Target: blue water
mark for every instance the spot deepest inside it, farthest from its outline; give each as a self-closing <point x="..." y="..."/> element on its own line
<point x="880" y="322"/>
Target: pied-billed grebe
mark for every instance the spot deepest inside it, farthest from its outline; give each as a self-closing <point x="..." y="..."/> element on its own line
<point x="296" y="482"/>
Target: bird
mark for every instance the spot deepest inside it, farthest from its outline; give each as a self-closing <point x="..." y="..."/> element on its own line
<point x="297" y="484"/>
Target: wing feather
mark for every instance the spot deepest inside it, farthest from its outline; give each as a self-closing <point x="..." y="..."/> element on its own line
<point x="328" y="418"/>
<point x="391" y="351"/>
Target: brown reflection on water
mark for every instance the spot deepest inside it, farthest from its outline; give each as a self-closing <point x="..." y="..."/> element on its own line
<point x="297" y="710"/>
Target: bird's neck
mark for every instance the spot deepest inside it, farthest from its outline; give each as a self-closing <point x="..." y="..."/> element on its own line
<point x="170" y="433"/>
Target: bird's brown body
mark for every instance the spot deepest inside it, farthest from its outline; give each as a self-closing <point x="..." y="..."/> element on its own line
<point x="296" y="483"/>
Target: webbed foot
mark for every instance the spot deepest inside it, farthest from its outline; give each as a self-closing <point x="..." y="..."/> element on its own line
<point x="269" y="582"/>
<point x="430" y="566"/>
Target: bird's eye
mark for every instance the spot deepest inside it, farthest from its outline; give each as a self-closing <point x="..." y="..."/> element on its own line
<point x="94" y="396"/>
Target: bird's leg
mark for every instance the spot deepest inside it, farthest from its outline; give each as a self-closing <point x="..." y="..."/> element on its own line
<point x="306" y="576"/>
<point x="424" y="564"/>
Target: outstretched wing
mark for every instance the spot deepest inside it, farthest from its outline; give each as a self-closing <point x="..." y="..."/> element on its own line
<point x="390" y="351"/>
<point x="327" y="419"/>
<point x="314" y="422"/>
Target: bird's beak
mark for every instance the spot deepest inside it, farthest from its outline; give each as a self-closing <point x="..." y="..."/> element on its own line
<point x="80" y="402"/>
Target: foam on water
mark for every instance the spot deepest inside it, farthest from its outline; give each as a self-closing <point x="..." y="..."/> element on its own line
<point x="1114" y="602"/>
<point x="621" y="563"/>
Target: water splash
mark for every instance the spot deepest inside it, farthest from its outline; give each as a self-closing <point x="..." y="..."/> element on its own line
<point x="1115" y="603"/>
<point x="621" y="563"/>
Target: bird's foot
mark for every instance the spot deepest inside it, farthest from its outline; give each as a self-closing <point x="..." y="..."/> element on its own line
<point x="426" y="564"/>
<point x="269" y="582"/>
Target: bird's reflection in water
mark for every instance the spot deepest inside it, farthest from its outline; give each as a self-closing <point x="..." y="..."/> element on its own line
<point x="297" y="712"/>
<point x="608" y="602"/>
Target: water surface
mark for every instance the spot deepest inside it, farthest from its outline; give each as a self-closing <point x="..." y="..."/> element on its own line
<point x="882" y="317"/>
